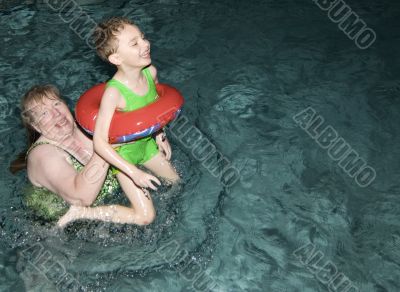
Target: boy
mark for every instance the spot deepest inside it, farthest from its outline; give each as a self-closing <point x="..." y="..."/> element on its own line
<point x="121" y="43"/>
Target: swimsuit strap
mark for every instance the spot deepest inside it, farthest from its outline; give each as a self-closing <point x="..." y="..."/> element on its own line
<point x="150" y="81"/>
<point x="124" y="89"/>
<point x="35" y="144"/>
<point x="134" y="101"/>
<point x="75" y="162"/>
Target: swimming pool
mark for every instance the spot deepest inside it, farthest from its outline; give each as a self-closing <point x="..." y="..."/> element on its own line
<point x="274" y="91"/>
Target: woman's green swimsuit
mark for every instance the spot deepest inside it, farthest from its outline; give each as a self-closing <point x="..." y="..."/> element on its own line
<point x="49" y="206"/>
<point x="144" y="149"/>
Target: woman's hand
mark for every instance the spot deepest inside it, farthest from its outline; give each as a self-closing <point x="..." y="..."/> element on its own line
<point x="143" y="179"/>
<point x="163" y="145"/>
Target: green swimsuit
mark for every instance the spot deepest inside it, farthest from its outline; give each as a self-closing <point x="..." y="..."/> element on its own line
<point x="49" y="206"/>
<point x="142" y="150"/>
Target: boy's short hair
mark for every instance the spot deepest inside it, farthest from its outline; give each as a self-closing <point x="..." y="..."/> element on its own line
<point x="105" y="34"/>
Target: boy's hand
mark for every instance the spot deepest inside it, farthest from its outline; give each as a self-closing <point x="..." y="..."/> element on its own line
<point x="163" y="145"/>
<point x="143" y="179"/>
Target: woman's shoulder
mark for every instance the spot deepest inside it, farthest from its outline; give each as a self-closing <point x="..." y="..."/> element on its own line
<point x="42" y="149"/>
<point x="43" y="157"/>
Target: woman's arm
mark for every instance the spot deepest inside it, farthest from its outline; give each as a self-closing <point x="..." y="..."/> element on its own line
<point x="48" y="167"/>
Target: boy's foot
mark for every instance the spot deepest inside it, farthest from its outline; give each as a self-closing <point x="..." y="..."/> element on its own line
<point x="74" y="213"/>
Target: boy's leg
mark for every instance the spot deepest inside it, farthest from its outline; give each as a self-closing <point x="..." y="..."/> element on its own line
<point x="109" y="213"/>
<point x="160" y="166"/>
<point x="140" y="199"/>
<point x="142" y="211"/>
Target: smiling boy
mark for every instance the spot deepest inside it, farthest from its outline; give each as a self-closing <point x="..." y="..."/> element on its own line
<point x="121" y="43"/>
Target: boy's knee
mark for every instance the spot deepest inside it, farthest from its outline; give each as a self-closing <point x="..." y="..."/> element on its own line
<point x="147" y="218"/>
<point x="174" y="179"/>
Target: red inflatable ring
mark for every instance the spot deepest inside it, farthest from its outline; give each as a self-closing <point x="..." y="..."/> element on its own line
<point x="133" y="125"/>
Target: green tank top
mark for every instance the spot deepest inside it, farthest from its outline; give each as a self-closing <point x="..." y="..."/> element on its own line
<point x="134" y="101"/>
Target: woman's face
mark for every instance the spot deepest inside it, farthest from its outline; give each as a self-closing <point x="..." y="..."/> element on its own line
<point x="51" y="118"/>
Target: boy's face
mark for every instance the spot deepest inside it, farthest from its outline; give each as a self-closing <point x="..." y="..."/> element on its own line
<point x="133" y="49"/>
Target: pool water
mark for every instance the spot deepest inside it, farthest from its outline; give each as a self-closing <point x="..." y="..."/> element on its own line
<point x="251" y="73"/>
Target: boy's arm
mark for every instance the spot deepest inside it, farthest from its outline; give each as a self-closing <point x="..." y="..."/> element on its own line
<point x="161" y="139"/>
<point x="108" y="105"/>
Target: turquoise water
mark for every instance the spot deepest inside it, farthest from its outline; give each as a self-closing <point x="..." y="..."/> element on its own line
<point x="246" y="68"/>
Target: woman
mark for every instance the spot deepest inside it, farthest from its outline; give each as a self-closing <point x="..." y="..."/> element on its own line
<point x="61" y="160"/>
